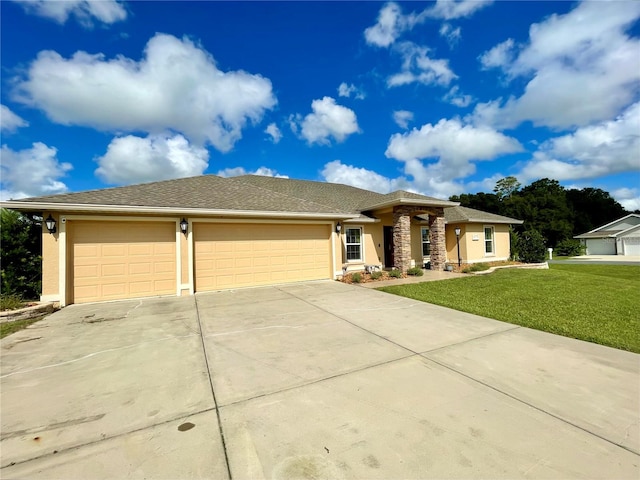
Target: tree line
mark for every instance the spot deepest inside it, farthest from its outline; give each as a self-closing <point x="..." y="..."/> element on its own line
<point x="547" y="207"/>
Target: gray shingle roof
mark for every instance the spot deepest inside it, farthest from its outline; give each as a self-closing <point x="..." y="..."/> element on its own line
<point x="205" y="192"/>
<point x="257" y="193"/>
<point x="466" y="215"/>
<point x="342" y="197"/>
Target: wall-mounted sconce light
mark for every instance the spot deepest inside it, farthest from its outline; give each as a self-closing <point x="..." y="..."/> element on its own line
<point x="50" y="222"/>
<point x="184" y="226"/>
<point x="338" y="227"/>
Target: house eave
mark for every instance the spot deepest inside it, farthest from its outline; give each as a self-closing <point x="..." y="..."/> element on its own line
<point x="64" y="207"/>
<point x="411" y="201"/>
<point x="488" y="221"/>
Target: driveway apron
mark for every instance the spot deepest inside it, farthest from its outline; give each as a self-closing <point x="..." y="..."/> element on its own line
<point x="310" y="380"/>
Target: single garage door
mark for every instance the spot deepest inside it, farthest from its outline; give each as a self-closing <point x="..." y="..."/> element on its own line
<point x="601" y="246"/>
<point x="631" y="245"/>
<point x="231" y="255"/>
<point x="116" y="260"/>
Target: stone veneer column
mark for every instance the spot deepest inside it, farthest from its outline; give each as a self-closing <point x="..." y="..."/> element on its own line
<point x="438" y="256"/>
<point x="402" y="237"/>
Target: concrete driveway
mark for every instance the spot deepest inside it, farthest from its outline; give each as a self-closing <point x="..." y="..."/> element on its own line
<point x="313" y="380"/>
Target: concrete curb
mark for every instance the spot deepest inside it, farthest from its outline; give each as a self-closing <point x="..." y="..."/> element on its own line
<point x="536" y="266"/>
<point x="27" y="312"/>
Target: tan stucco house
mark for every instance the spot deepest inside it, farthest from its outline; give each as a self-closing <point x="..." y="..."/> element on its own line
<point x="620" y="237"/>
<point x="205" y="233"/>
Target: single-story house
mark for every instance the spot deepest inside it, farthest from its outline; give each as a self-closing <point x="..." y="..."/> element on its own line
<point x="621" y="237"/>
<point x="204" y="233"/>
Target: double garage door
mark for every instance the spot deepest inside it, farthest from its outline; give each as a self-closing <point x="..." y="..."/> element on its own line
<point x="229" y="255"/>
<point x="112" y="260"/>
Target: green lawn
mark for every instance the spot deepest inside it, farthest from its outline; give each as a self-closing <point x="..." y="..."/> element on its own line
<point x="596" y="303"/>
<point x="11" y="327"/>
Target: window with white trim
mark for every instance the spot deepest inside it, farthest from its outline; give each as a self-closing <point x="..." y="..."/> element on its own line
<point x="489" y="241"/>
<point x="426" y="243"/>
<point x="353" y="242"/>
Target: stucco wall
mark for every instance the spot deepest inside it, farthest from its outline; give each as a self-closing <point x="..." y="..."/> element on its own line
<point x="50" y="255"/>
<point x="474" y="249"/>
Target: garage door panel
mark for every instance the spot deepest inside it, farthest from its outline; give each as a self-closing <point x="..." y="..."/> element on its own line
<point x="117" y="260"/>
<point x="631" y="245"/>
<point x="228" y="256"/>
<point x="119" y="270"/>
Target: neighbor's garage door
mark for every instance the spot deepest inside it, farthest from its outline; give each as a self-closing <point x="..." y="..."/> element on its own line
<point x="601" y="246"/>
<point x="115" y="260"/>
<point x="231" y="255"/>
<point x="631" y="245"/>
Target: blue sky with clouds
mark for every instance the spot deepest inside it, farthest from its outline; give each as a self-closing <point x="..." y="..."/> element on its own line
<point x="439" y="98"/>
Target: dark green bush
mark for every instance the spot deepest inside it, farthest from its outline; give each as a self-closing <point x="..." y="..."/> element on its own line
<point x="376" y="275"/>
<point x="415" y="271"/>
<point x="395" y="273"/>
<point x="356" y="277"/>
<point x="531" y="247"/>
<point x="20" y="260"/>
<point x="569" y="248"/>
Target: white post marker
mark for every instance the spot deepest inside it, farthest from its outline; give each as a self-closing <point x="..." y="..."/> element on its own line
<point x="550" y="253"/>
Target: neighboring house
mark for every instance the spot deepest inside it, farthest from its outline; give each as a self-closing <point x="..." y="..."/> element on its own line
<point x="205" y="233"/>
<point x="621" y="237"/>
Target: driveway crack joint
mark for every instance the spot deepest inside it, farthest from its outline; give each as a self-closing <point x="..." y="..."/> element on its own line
<point x="213" y="392"/>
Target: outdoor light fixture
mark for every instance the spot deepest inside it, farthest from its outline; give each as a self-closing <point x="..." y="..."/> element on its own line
<point x="338" y="227"/>
<point x="184" y="226"/>
<point x="51" y="224"/>
<point x="457" y="230"/>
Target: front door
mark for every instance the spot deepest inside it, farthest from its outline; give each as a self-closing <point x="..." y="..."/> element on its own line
<point x="388" y="247"/>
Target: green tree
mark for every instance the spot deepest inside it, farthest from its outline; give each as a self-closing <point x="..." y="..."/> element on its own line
<point x="547" y="210"/>
<point x="592" y="208"/>
<point x="506" y="187"/>
<point x="487" y="202"/>
<point x="20" y="254"/>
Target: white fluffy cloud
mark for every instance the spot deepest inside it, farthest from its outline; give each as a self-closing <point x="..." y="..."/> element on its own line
<point x="238" y="171"/>
<point x="392" y="22"/>
<point x="629" y="198"/>
<point x="499" y="56"/>
<point x="9" y="121"/>
<point x="346" y="90"/>
<point x="418" y="67"/>
<point x="402" y="118"/>
<point x="337" y="172"/>
<point x="327" y="119"/>
<point x="427" y="180"/>
<point x="589" y="152"/>
<point x="31" y="172"/>
<point x="390" y="25"/>
<point x="176" y="86"/>
<point x="452" y="35"/>
<point x="452" y="9"/>
<point x="455" y="97"/>
<point x="132" y="159"/>
<point x="84" y="11"/>
<point x="454" y="146"/>
<point x="453" y="143"/>
<point x="274" y="132"/>
<point x="582" y="68"/>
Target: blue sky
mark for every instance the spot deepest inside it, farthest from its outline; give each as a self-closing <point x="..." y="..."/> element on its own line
<point x="440" y="98"/>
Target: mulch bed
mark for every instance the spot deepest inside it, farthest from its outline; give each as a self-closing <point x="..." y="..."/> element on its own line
<point x="366" y="277"/>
